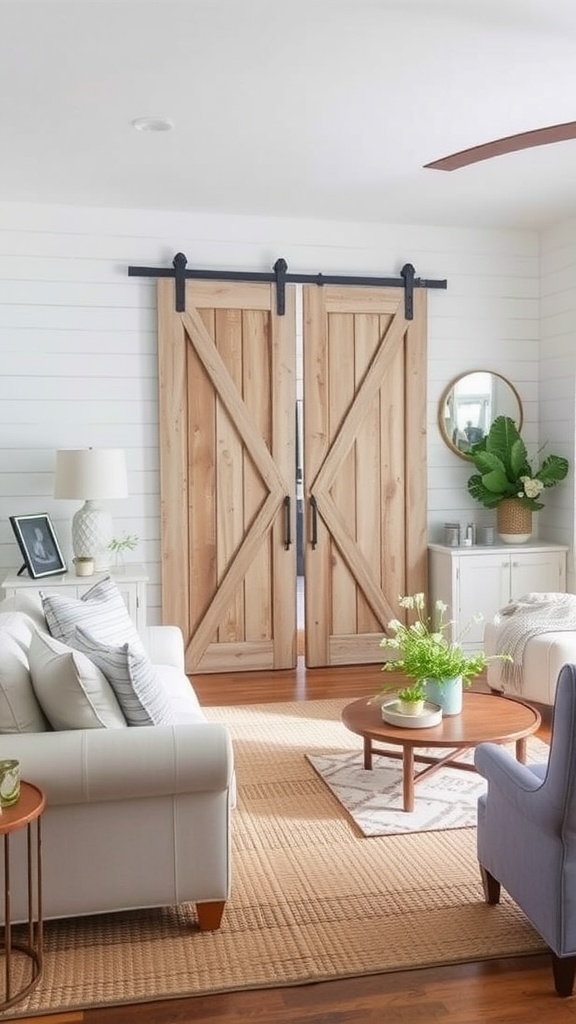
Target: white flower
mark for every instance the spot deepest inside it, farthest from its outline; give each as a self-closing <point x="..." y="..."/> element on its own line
<point x="532" y="487"/>
<point x="395" y="625"/>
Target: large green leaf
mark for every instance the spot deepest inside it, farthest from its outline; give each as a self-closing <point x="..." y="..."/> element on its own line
<point x="477" y="489"/>
<point x="502" y="436"/>
<point x="487" y="462"/>
<point x="553" y="469"/>
<point x="519" y="465"/>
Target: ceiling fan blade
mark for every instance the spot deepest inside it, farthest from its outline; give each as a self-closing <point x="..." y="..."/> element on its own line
<point x="509" y="144"/>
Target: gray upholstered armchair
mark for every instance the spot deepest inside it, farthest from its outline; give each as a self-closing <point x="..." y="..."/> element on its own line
<point x="527" y="833"/>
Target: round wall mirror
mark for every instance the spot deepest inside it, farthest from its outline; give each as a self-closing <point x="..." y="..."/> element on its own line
<point x="471" y="403"/>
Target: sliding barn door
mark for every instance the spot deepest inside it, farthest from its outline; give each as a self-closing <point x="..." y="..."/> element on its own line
<point x="227" y="400"/>
<point x="364" y="466"/>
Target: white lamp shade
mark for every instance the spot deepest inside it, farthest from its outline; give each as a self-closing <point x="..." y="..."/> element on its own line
<point x="91" y="473"/>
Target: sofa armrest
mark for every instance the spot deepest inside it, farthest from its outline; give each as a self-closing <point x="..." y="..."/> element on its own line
<point x="90" y="765"/>
<point x="164" y="645"/>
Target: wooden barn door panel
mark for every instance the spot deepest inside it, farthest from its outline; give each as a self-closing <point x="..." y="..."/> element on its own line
<point x="364" y="466"/>
<point x="227" y="394"/>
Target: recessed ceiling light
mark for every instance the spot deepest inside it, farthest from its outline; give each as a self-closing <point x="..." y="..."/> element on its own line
<point x="152" y="124"/>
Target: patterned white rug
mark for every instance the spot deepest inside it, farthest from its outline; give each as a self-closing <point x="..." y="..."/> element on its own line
<point x="373" y="799"/>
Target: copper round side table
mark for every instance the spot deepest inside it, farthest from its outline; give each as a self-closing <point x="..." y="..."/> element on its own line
<point x="25" y="813"/>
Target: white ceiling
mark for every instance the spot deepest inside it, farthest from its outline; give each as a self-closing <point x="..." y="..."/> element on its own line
<point x="307" y="108"/>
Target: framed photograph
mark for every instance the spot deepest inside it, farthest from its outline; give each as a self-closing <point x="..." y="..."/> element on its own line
<point x="38" y="544"/>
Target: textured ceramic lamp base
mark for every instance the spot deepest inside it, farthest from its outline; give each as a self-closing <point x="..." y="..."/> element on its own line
<point x="92" y="533"/>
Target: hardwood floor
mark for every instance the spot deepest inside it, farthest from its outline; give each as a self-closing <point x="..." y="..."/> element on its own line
<point x="498" y="992"/>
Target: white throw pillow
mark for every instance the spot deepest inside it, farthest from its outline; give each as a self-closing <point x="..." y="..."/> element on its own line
<point x="19" y="708"/>
<point x="133" y="678"/>
<point x="72" y="691"/>
<point x="101" y="612"/>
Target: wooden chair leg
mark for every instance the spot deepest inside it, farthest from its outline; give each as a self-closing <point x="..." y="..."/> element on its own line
<point x="564" y="968"/>
<point x="210" y="915"/>
<point x="491" y="886"/>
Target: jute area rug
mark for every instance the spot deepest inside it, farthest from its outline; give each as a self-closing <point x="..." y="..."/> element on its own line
<point x="311" y="900"/>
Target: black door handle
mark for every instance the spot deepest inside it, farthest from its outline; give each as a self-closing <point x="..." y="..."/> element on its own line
<point x="314" y="530"/>
<point x="287" y="523"/>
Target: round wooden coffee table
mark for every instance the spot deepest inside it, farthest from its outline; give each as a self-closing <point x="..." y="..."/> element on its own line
<point x="484" y="717"/>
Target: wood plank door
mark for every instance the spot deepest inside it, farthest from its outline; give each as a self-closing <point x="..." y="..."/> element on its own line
<point x="227" y="470"/>
<point x="364" y="466"/>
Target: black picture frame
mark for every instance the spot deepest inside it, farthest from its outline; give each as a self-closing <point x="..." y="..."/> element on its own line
<point x="38" y="544"/>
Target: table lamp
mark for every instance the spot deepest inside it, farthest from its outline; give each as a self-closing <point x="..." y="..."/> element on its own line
<point x="91" y="475"/>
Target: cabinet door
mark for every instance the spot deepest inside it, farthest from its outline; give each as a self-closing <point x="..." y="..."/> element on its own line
<point x="483" y="588"/>
<point x="539" y="571"/>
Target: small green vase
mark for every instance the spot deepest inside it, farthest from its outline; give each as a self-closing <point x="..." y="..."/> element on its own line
<point x="447" y="693"/>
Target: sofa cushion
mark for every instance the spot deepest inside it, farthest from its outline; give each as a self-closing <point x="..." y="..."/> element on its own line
<point x="133" y="678"/>
<point x="181" y="694"/>
<point x="30" y="604"/>
<point x="72" y="691"/>
<point x="19" y="707"/>
<point x="100" y="611"/>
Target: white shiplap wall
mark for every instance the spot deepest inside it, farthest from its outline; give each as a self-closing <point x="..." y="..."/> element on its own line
<point x="78" y="338"/>
<point x="558" y="377"/>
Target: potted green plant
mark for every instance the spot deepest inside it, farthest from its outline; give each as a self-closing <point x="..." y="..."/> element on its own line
<point x="437" y="667"/>
<point x="507" y="481"/>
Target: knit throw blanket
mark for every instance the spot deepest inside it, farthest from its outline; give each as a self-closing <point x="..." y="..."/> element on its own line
<point x="530" y="615"/>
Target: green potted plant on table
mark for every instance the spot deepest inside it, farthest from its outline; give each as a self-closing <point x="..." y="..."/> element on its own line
<point x="507" y="481"/>
<point x="437" y="667"/>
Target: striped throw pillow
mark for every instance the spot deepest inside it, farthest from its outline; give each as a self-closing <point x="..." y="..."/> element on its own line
<point x="133" y="678"/>
<point x="100" y="611"/>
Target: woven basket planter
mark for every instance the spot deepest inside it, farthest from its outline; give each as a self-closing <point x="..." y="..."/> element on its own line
<point x="513" y="521"/>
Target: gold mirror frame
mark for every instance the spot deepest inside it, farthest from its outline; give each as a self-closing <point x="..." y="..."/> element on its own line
<point x="496" y="397"/>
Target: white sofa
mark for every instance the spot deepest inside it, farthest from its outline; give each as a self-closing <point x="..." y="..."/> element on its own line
<point x="544" y="657"/>
<point x="135" y="817"/>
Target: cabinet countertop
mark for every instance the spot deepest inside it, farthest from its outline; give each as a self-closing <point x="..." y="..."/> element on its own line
<point x="127" y="573"/>
<point x="508" y="549"/>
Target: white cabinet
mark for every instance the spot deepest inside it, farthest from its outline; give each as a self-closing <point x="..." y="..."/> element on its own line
<point x="130" y="579"/>
<point x="480" y="580"/>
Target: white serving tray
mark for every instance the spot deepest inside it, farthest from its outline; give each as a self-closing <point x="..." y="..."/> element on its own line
<point x="431" y="715"/>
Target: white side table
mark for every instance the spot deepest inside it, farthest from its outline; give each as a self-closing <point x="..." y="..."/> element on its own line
<point x="131" y="580"/>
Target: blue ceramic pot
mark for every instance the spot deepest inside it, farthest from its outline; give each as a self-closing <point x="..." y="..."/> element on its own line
<point x="447" y="693"/>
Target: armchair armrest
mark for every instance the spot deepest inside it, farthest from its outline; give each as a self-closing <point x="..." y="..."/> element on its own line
<point x="164" y="645"/>
<point x="520" y="785"/>
<point x="497" y="765"/>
